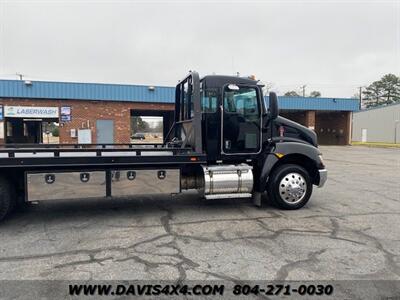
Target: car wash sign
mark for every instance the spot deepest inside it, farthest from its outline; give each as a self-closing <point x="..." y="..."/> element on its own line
<point x="31" y="112"/>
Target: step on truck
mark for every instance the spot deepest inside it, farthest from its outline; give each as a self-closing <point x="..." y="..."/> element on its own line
<point x="225" y="142"/>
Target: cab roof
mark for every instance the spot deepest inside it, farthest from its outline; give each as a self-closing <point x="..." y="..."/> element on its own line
<point x="217" y="81"/>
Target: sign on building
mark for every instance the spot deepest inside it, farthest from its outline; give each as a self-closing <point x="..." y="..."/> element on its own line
<point x="84" y="136"/>
<point x="1" y="113"/>
<point x="65" y="113"/>
<point x="31" y="112"/>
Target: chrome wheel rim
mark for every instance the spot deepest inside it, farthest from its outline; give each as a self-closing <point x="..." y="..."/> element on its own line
<point x="292" y="188"/>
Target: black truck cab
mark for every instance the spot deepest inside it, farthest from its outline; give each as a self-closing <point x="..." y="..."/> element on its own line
<point x="227" y="119"/>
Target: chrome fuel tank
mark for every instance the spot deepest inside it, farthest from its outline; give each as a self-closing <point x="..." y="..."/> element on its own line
<point x="228" y="179"/>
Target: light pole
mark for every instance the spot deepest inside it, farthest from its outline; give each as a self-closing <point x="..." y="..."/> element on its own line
<point x="396" y="122"/>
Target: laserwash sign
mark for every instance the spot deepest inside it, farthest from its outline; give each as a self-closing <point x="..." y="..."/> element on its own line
<point x="30" y="112"/>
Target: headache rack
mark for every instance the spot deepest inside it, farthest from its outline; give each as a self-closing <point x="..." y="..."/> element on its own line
<point x="44" y="155"/>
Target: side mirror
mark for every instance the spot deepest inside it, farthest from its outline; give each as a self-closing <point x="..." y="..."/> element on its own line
<point x="273" y="110"/>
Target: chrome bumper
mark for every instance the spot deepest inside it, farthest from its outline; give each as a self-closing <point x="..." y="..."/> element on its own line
<point x="323" y="177"/>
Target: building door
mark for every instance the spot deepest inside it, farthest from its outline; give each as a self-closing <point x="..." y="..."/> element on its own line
<point x="24" y="131"/>
<point x="364" y="135"/>
<point x="104" y="131"/>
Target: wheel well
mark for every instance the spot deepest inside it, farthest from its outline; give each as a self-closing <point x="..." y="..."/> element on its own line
<point x="301" y="160"/>
<point x="14" y="178"/>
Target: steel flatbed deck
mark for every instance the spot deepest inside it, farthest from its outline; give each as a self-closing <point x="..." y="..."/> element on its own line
<point x="94" y="155"/>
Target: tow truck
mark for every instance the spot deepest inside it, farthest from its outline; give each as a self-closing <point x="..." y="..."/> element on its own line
<point x="226" y="142"/>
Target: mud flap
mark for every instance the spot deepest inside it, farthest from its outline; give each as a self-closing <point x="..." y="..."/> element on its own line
<point x="257" y="199"/>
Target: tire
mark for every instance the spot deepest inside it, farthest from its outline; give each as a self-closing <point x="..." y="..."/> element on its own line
<point x="7" y="201"/>
<point x="289" y="187"/>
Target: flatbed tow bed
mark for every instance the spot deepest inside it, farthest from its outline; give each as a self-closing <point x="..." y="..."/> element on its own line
<point x="224" y="143"/>
<point x="77" y="155"/>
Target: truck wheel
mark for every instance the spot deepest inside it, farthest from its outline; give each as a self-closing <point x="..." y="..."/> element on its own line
<point x="289" y="187"/>
<point x="7" y="202"/>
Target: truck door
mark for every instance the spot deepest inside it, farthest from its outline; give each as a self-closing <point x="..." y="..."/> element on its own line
<point x="241" y="120"/>
<point x="211" y="120"/>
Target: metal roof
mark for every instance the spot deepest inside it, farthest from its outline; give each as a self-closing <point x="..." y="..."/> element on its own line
<point x="312" y="103"/>
<point x="85" y="91"/>
<point x="380" y="107"/>
<point x="142" y="93"/>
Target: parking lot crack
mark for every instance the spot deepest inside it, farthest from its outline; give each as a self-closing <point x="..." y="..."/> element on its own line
<point x="89" y="261"/>
<point x="184" y="262"/>
<point x="335" y="232"/>
<point x="284" y="271"/>
<point x="390" y="258"/>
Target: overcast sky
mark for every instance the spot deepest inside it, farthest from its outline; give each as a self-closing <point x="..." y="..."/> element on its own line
<point x="331" y="46"/>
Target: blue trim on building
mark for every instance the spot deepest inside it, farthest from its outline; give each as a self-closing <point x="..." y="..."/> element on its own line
<point x="142" y="93"/>
<point x="85" y="91"/>
<point x="311" y="103"/>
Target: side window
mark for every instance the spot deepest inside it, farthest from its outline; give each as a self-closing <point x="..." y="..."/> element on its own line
<point x="186" y="103"/>
<point x="241" y="120"/>
<point x="185" y="100"/>
<point x="243" y="102"/>
<point x="209" y="101"/>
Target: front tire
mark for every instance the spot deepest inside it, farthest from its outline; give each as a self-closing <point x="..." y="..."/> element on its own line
<point x="289" y="186"/>
<point x="7" y="201"/>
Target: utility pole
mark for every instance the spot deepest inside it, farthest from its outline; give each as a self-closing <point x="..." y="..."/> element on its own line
<point x="19" y="75"/>
<point x="360" y="95"/>
<point x="303" y="87"/>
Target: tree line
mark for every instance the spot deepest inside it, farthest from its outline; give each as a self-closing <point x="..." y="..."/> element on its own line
<point x="314" y="94"/>
<point x="382" y="92"/>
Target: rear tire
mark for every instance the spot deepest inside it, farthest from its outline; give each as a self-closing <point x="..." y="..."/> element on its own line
<point x="289" y="187"/>
<point x="7" y="201"/>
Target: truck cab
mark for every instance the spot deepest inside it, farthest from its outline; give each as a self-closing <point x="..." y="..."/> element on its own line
<point x="227" y="119"/>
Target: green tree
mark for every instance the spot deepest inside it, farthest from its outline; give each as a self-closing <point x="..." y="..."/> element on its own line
<point x="291" y="94"/>
<point x="55" y="132"/>
<point x="315" y="94"/>
<point x="382" y="92"/>
<point x="138" y="125"/>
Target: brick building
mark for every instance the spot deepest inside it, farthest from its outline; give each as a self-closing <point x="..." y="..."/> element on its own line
<point x="102" y="113"/>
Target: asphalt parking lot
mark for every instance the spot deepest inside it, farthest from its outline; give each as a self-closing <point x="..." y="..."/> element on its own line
<point x="349" y="230"/>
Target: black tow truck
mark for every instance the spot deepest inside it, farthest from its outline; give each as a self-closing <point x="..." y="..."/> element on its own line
<point x="225" y="142"/>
